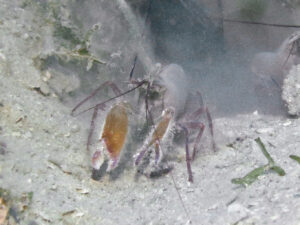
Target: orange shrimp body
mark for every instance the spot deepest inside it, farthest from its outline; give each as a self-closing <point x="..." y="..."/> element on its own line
<point x="162" y="127"/>
<point x="115" y="130"/>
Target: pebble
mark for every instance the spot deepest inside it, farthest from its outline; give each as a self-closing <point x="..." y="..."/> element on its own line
<point x="25" y="36"/>
<point x="285" y="208"/>
<point x="44" y="89"/>
<point x="75" y="128"/>
<point x="287" y="123"/>
<point x="28" y="135"/>
<point x="2" y="57"/>
<point x="79" y="214"/>
<point x="265" y="130"/>
<point x="47" y="76"/>
<point x="53" y="187"/>
<point x="275" y="217"/>
<point x="237" y="208"/>
<point x="82" y="190"/>
<point x="16" y="134"/>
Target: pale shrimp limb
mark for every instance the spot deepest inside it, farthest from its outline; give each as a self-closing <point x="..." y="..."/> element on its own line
<point x="187" y="153"/>
<point x="92" y="127"/>
<point x="174" y="78"/>
<point x="196" y="125"/>
<point x="195" y="115"/>
<point x="192" y="122"/>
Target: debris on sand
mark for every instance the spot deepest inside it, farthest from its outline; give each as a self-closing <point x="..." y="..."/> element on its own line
<point x="254" y="174"/>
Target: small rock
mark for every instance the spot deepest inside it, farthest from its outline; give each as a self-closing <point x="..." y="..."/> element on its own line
<point x="237" y="209"/>
<point x="25" y="36"/>
<point x="265" y="130"/>
<point x="53" y="187"/>
<point x="2" y="57"/>
<point x="79" y="214"/>
<point x="28" y="135"/>
<point x="82" y="191"/>
<point x="16" y="134"/>
<point x="75" y="128"/>
<point x="285" y="208"/>
<point x="47" y="76"/>
<point x="287" y="123"/>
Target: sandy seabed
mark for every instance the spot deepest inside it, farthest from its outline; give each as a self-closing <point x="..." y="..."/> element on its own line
<point x="43" y="152"/>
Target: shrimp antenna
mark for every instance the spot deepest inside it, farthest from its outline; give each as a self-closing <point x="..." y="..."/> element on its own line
<point x="260" y="23"/>
<point x="133" y="67"/>
<point x="139" y="84"/>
